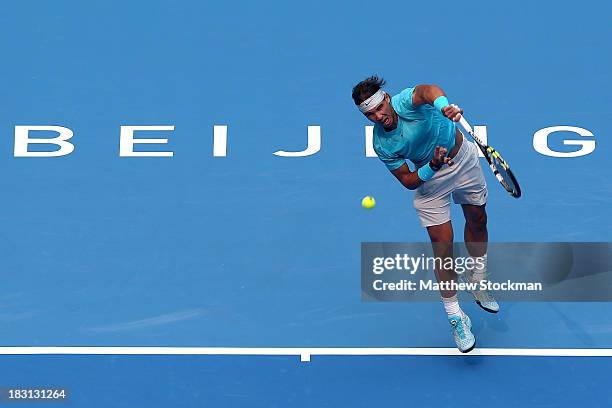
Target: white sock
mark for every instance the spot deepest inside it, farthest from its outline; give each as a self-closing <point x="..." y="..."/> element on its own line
<point x="479" y="272"/>
<point x="451" y="305"/>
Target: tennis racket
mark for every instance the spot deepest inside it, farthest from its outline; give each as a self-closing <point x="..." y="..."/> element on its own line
<point x="497" y="163"/>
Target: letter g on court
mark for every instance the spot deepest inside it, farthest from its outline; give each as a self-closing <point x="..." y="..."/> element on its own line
<point x="540" y="142"/>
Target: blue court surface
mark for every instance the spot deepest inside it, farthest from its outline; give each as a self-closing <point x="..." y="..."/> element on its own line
<point x="235" y="247"/>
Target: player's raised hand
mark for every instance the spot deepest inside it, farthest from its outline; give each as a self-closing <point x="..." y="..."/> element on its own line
<point x="440" y="158"/>
<point x="453" y="112"/>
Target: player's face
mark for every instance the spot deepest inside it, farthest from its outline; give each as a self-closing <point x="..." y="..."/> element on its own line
<point x="383" y="114"/>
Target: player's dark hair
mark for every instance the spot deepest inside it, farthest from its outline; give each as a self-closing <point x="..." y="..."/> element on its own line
<point x="367" y="88"/>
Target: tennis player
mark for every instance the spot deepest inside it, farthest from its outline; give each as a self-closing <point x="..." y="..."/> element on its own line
<point x="418" y="125"/>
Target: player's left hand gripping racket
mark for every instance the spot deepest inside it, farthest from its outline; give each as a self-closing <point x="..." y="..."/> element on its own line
<point x="496" y="163"/>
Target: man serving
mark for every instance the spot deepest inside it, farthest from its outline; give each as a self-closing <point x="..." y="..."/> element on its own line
<point x="418" y="125"/>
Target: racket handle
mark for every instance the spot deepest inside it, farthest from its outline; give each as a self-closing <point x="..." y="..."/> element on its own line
<point x="466" y="125"/>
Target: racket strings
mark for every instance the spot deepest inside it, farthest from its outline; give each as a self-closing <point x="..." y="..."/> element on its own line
<point x="503" y="175"/>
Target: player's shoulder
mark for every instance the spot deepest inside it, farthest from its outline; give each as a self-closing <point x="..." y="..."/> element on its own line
<point x="402" y="101"/>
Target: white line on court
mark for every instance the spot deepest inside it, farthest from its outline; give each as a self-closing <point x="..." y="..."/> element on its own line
<point x="305" y="353"/>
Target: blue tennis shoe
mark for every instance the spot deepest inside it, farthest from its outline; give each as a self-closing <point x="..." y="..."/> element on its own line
<point x="462" y="332"/>
<point x="485" y="300"/>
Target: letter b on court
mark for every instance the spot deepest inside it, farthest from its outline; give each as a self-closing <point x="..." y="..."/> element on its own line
<point x="22" y="140"/>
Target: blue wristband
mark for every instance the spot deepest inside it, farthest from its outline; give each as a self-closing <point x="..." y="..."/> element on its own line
<point x="441" y="102"/>
<point x="426" y="172"/>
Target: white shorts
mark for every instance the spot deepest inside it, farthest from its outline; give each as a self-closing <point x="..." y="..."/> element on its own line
<point x="464" y="180"/>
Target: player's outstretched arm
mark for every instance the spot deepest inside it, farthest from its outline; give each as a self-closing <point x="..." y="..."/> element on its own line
<point x="427" y="94"/>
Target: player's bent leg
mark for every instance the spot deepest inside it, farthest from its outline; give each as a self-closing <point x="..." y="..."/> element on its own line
<point x="432" y="203"/>
<point x="442" y="242"/>
<point x="476" y="239"/>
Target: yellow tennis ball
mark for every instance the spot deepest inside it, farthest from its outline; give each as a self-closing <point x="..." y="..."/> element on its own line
<point x="368" y="202"/>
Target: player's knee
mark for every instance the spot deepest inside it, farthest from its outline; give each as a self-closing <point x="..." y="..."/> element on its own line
<point x="477" y="219"/>
<point x="441" y="235"/>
